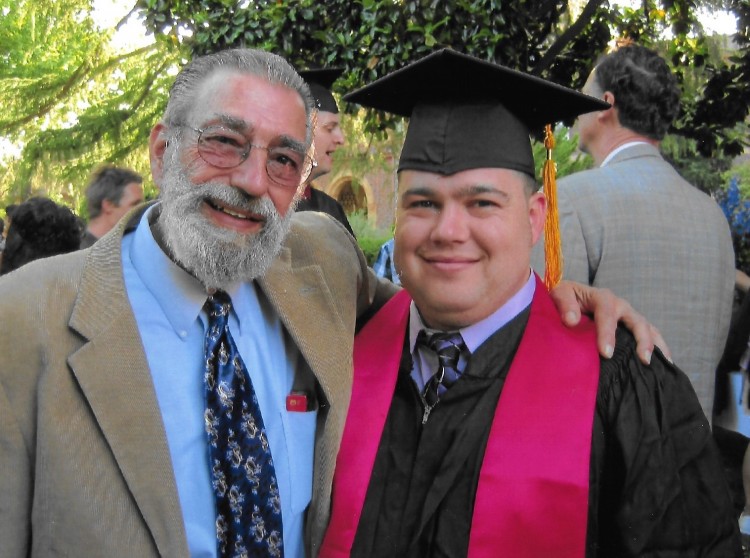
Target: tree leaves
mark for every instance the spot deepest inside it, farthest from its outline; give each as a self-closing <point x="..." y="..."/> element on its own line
<point x="70" y="102"/>
<point x="73" y="103"/>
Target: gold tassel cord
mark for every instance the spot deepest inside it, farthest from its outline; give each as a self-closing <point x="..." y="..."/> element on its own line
<point x="552" y="242"/>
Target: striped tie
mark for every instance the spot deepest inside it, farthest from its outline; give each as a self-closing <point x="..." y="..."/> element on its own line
<point x="448" y="347"/>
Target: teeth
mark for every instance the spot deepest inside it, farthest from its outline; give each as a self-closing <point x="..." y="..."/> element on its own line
<point x="227" y="211"/>
<point x="232" y="213"/>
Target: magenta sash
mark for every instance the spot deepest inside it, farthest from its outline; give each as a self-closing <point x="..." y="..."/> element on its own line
<point x="532" y="498"/>
<point x="377" y="354"/>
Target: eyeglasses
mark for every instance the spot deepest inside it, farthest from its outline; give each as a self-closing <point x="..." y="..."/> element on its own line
<point x="225" y="149"/>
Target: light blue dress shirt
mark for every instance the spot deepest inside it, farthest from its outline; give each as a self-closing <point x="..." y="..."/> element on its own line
<point x="426" y="362"/>
<point x="167" y="303"/>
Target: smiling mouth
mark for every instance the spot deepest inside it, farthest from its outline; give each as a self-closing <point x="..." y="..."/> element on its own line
<point x="448" y="259"/>
<point x="449" y="264"/>
<point x="232" y="212"/>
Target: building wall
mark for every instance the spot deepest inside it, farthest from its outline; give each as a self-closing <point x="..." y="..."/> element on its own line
<point x="377" y="197"/>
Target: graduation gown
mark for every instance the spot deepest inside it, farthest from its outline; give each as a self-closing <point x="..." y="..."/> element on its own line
<point x="320" y="201"/>
<point x="655" y="484"/>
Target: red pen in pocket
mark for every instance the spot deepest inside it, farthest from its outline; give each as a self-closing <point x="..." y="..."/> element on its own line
<point x="297" y="402"/>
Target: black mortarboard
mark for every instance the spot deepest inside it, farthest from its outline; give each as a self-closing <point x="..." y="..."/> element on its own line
<point x="467" y="113"/>
<point x="320" y="82"/>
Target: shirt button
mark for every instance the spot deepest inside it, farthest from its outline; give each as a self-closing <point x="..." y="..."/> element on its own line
<point x="182" y="334"/>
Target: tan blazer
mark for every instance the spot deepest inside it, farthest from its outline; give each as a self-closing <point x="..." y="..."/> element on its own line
<point x="84" y="465"/>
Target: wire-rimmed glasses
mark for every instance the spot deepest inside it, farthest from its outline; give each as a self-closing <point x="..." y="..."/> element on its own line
<point x="225" y="148"/>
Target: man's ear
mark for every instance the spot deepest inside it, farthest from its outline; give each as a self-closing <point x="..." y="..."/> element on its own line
<point x="157" y="146"/>
<point x="537" y="215"/>
<point x="107" y="207"/>
<point x="611" y="112"/>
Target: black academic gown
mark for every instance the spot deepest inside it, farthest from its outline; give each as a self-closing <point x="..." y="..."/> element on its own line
<point x="320" y="201"/>
<point x="656" y="486"/>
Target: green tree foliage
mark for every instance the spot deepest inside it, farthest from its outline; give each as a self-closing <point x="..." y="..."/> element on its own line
<point x="69" y="102"/>
<point x="545" y="37"/>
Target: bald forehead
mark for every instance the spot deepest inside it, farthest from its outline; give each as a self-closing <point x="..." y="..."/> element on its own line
<point x="230" y="85"/>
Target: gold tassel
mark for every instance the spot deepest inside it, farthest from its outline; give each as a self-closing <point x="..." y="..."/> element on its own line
<point x="552" y="243"/>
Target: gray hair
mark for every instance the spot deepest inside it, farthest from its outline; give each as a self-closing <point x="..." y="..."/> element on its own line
<point x="243" y="60"/>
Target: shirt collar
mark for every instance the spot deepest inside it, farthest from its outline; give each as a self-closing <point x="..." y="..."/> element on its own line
<point x="180" y="295"/>
<point x="476" y="334"/>
<point x="622" y="147"/>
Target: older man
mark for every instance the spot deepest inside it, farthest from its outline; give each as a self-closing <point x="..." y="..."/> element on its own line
<point x="180" y="389"/>
<point x="105" y="371"/>
<point x="478" y="425"/>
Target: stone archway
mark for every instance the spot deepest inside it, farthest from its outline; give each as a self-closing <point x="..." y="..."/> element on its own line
<point x="354" y="196"/>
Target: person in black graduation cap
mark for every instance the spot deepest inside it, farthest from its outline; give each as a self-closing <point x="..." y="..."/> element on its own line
<point x="328" y="138"/>
<point x="478" y="424"/>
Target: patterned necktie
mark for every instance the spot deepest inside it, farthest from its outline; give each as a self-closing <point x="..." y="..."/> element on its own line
<point x="248" y="506"/>
<point x="448" y="347"/>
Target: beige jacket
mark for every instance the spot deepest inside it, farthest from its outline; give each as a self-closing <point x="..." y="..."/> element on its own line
<point x="84" y="465"/>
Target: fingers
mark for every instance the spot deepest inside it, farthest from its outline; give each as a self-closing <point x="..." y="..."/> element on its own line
<point x="603" y="304"/>
<point x="566" y="301"/>
<point x="573" y="298"/>
<point x="641" y="330"/>
<point x="661" y="343"/>
<point x="647" y="335"/>
<point x="607" y="309"/>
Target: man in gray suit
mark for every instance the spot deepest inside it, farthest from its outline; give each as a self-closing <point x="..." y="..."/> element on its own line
<point x="635" y="226"/>
<point x="104" y="450"/>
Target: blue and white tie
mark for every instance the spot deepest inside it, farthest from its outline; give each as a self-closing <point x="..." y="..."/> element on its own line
<point x="248" y="506"/>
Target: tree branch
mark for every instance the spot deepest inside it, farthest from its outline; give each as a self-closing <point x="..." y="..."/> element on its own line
<point x="75" y="77"/>
<point x="567" y="36"/>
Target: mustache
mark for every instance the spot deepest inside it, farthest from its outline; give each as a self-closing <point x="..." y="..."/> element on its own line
<point x="231" y="196"/>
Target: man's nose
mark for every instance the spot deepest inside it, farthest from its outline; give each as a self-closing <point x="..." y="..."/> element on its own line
<point x="251" y="175"/>
<point x="452" y="224"/>
<point x="338" y="137"/>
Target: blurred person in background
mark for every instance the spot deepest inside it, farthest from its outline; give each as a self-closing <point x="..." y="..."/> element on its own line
<point x="110" y="194"/>
<point x="39" y="228"/>
<point x="328" y="138"/>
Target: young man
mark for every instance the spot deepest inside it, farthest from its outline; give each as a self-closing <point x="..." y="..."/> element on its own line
<point x="478" y="426"/>
<point x="327" y="138"/>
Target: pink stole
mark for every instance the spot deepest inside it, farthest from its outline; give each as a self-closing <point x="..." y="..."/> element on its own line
<point x="532" y="497"/>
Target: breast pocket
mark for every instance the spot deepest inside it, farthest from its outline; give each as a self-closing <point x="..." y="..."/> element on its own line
<point x="299" y="430"/>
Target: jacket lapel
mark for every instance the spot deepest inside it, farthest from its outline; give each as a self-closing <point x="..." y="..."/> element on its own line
<point x="308" y="310"/>
<point x="112" y="371"/>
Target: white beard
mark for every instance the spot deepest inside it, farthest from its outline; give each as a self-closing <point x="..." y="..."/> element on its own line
<point x="214" y="255"/>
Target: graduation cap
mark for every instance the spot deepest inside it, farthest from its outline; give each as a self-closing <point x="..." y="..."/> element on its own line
<point x="469" y="113"/>
<point x="466" y="113"/>
<point x="320" y="82"/>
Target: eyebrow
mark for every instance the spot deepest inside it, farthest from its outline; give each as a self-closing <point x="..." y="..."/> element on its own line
<point x="239" y="125"/>
<point x="292" y="143"/>
<point x="232" y="122"/>
<point x="463" y="191"/>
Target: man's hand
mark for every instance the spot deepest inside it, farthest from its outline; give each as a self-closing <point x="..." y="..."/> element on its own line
<point x="573" y="298"/>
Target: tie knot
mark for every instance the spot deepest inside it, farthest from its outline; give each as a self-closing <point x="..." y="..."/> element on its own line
<point x="447" y="346"/>
<point x="218" y="305"/>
